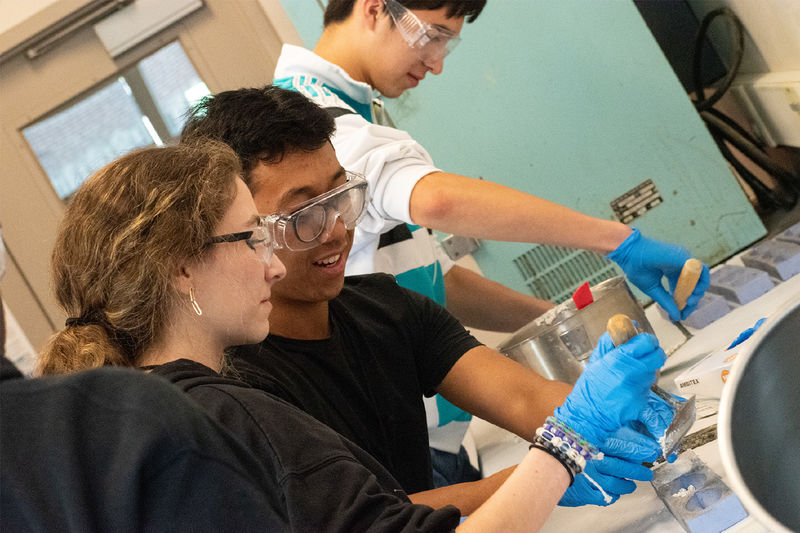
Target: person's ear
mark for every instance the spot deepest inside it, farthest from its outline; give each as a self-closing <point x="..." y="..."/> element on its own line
<point x="184" y="283"/>
<point x="370" y="11"/>
<point x="183" y="279"/>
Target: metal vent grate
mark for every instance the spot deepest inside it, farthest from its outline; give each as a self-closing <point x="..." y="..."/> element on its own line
<point x="554" y="272"/>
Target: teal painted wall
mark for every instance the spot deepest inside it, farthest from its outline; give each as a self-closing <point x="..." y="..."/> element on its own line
<point x="307" y="18"/>
<point x="573" y="101"/>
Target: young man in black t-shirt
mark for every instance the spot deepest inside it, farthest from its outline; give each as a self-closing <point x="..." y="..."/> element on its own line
<point x="386" y="348"/>
<point x="358" y="354"/>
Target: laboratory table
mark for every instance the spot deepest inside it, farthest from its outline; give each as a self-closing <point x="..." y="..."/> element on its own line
<point x="643" y="511"/>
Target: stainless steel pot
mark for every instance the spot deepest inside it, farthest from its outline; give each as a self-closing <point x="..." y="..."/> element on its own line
<point x="558" y="343"/>
<point x="759" y="422"/>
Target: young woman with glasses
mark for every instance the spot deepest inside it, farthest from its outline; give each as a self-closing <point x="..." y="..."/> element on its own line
<point x="163" y="262"/>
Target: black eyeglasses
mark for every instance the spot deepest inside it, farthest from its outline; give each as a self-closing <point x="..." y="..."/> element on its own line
<point x="259" y="237"/>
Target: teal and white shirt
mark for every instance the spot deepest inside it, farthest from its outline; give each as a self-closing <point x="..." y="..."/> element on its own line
<point x="386" y="240"/>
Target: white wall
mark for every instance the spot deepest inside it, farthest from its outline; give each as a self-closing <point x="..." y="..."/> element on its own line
<point x="18" y="348"/>
<point x="773" y="28"/>
<point x="768" y="84"/>
<point x="12" y="12"/>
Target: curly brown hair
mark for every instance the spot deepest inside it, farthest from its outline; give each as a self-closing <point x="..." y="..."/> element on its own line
<point x="119" y="245"/>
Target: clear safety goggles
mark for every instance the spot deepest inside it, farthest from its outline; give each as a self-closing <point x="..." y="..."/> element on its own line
<point x="430" y="43"/>
<point x="259" y="240"/>
<point x="311" y="223"/>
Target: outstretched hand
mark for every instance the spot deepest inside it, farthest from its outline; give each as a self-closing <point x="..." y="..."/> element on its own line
<point x="646" y="261"/>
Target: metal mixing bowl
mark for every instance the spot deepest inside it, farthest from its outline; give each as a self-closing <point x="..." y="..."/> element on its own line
<point x="558" y="343"/>
<point x="759" y="422"/>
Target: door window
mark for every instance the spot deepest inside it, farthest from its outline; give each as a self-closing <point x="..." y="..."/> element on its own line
<point x="145" y="105"/>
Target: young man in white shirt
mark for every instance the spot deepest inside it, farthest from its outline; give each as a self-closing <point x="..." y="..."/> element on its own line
<point x="372" y="48"/>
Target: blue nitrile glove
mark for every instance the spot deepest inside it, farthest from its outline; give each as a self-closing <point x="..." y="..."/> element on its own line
<point x="657" y="414"/>
<point x="631" y="445"/>
<point x="746" y="334"/>
<point x="656" y="418"/>
<point x="652" y="421"/>
<point x="613" y="388"/>
<point x="624" y="450"/>
<point x="645" y="261"/>
<point x="583" y="492"/>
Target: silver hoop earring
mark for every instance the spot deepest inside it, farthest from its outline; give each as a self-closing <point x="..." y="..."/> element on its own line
<point x="192" y="301"/>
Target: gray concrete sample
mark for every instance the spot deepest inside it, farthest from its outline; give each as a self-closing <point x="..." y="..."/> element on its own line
<point x="792" y="234"/>
<point x="738" y="284"/>
<point x="780" y="259"/>
<point x="710" y="308"/>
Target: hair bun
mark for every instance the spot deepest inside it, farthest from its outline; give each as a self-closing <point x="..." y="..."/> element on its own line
<point x="77" y="322"/>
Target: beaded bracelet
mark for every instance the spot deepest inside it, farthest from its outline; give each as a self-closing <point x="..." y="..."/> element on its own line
<point x="566" y="445"/>
<point x="558" y="456"/>
<point x="568" y="441"/>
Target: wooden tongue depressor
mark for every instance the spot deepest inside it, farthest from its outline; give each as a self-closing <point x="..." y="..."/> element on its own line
<point x="690" y="274"/>
<point x="621" y="329"/>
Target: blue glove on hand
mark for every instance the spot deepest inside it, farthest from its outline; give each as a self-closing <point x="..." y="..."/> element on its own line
<point x="656" y="416"/>
<point x="746" y="334"/>
<point x="625" y="450"/>
<point x="645" y="261"/>
<point x="583" y="492"/>
<point x="614" y="387"/>
<point x="650" y="425"/>
<point x="653" y="422"/>
<point x="634" y="446"/>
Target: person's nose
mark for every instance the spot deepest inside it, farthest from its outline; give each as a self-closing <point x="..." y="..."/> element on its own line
<point x="275" y="270"/>
<point x="334" y="229"/>
<point x="435" y="66"/>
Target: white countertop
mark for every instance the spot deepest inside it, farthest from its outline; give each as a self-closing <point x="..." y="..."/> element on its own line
<point x="643" y="511"/>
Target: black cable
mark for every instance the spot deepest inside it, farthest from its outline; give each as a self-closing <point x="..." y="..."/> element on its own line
<point x="767" y="197"/>
<point x="725" y="130"/>
<point x="735" y="125"/>
<point x="754" y="152"/>
<point x="702" y="104"/>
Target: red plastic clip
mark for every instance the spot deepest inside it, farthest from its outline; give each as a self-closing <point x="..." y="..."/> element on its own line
<point x="582" y="296"/>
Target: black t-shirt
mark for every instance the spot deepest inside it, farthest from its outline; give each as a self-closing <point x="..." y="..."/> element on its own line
<point x="388" y="347"/>
<point x="117" y="450"/>
<point x="325" y="482"/>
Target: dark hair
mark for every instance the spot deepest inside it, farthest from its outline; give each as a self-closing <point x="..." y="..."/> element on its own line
<point x="339" y="10"/>
<point x="261" y="125"/>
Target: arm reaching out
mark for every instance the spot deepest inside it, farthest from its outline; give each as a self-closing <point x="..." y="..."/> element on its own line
<point x="485" y="210"/>
<point x="479" y="302"/>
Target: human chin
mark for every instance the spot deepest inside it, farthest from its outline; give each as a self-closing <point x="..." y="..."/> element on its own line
<point x="255" y="325"/>
<point x="308" y="284"/>
<point x="395" y="86"/>
<point x="260" y="332"/>
<point x="326" y="277"/>
<point x="307" y="291"/>
<point x="397" y="89"/>
<point x="252" y="335"/>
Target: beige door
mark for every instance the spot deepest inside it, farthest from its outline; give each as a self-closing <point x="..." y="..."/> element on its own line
<point x="230" y="44"/>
